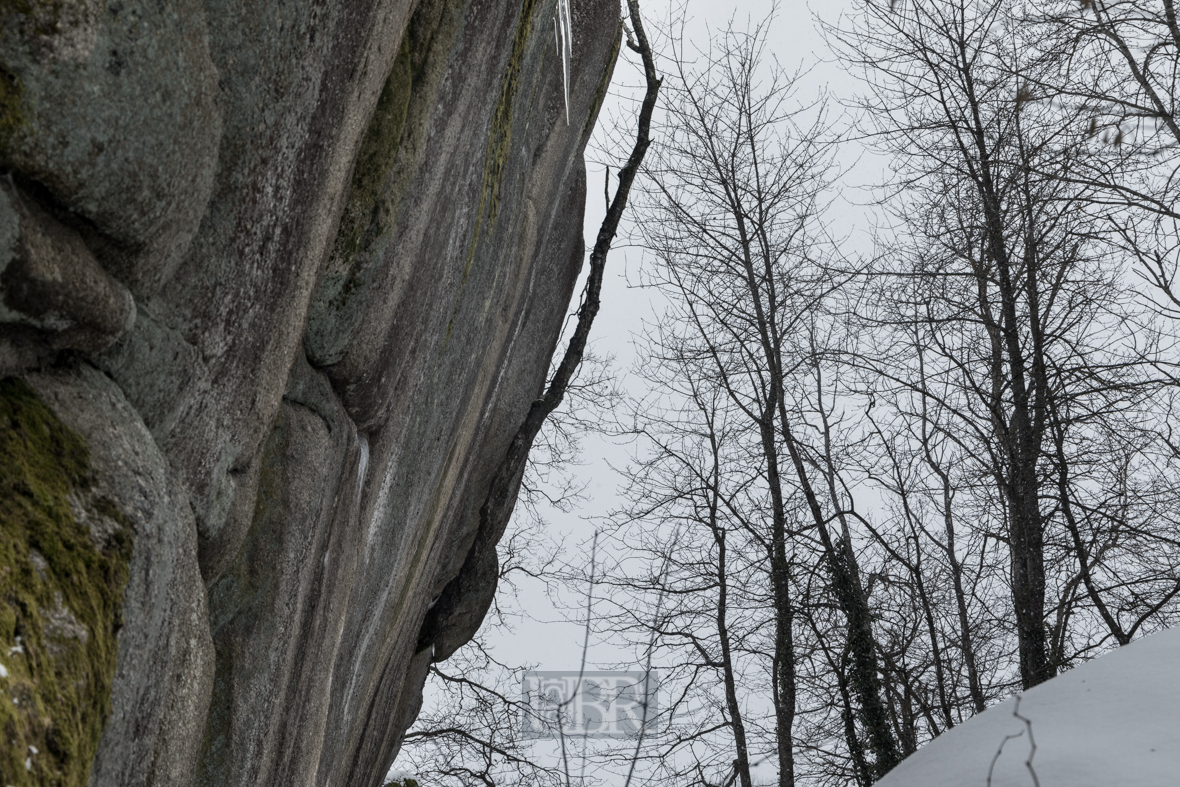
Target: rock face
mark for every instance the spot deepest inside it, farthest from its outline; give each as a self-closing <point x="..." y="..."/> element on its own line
<point x="290" y="272"/>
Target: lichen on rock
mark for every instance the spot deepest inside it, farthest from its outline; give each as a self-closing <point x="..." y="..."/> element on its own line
<point x="12" y="109"/>
<point x="386" y="162"/>
<point x="61" y="597"/>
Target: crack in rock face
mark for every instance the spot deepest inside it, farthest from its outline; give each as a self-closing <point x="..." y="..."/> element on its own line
<point x="50" y="282"/>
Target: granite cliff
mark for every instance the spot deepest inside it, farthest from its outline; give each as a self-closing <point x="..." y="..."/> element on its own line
<point x="278" y="282"/>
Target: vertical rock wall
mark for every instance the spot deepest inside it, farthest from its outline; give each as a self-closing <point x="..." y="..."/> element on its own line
<point x="291" y="271"/>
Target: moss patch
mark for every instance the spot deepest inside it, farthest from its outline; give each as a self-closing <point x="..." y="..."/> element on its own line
<point x="377" y="156"/>
<point x="498" y="149"/>
<point x="12" y="111"/>
<point x="14" y="14"/>
<point x="500" y="140"/>
<point x="61" y="597"/>
<point x="378" y="182"/>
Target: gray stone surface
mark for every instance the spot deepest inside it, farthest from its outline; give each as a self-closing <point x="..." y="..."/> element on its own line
<point x="277" y="610"/>
<point x="314" y="258"/>
<point x="161" y="690"/>
<point x="52" y="284"/>
<point x="121" y="123"/>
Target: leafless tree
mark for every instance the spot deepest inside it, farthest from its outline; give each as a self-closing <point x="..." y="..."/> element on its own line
<point x="1016" y="320"/>
<point x="1117" y="66"/>
<point x="733" y="220"/>
<point x="870" y="498"/>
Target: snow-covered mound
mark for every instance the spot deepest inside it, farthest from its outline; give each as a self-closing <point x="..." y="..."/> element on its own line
<point x="1112" y="722"/>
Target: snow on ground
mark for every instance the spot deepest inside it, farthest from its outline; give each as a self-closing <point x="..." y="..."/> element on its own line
<point x="1111" y="722"/>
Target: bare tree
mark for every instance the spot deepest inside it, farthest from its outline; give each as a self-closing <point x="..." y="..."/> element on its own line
<point x="733" y="220"/>
<point x="1028" y="337"/>
<point x="871" y="498"/>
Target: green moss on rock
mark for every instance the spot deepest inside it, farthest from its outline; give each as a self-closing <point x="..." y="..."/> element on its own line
<point x="12" y="110"/>
<point x="61" y="597"/>
<point x="500" y="138"/>
<point x="498" y="150"/>
<point x="377" y="156"/>
<point x="376" y="188"/>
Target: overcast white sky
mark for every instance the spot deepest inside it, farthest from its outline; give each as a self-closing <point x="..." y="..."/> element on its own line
<point x="543" y="638"/>
<point x="796" y="41"/>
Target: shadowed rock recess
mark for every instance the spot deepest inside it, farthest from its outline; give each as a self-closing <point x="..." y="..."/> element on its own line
<point x="278" y="281"/>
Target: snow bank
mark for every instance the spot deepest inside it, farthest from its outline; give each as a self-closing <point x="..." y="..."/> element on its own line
<point x="1112" y="722"/>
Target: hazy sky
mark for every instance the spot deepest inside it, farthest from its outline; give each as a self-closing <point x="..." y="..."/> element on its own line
<point x="795" y="41"/>
<point x="542" y="638"/>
